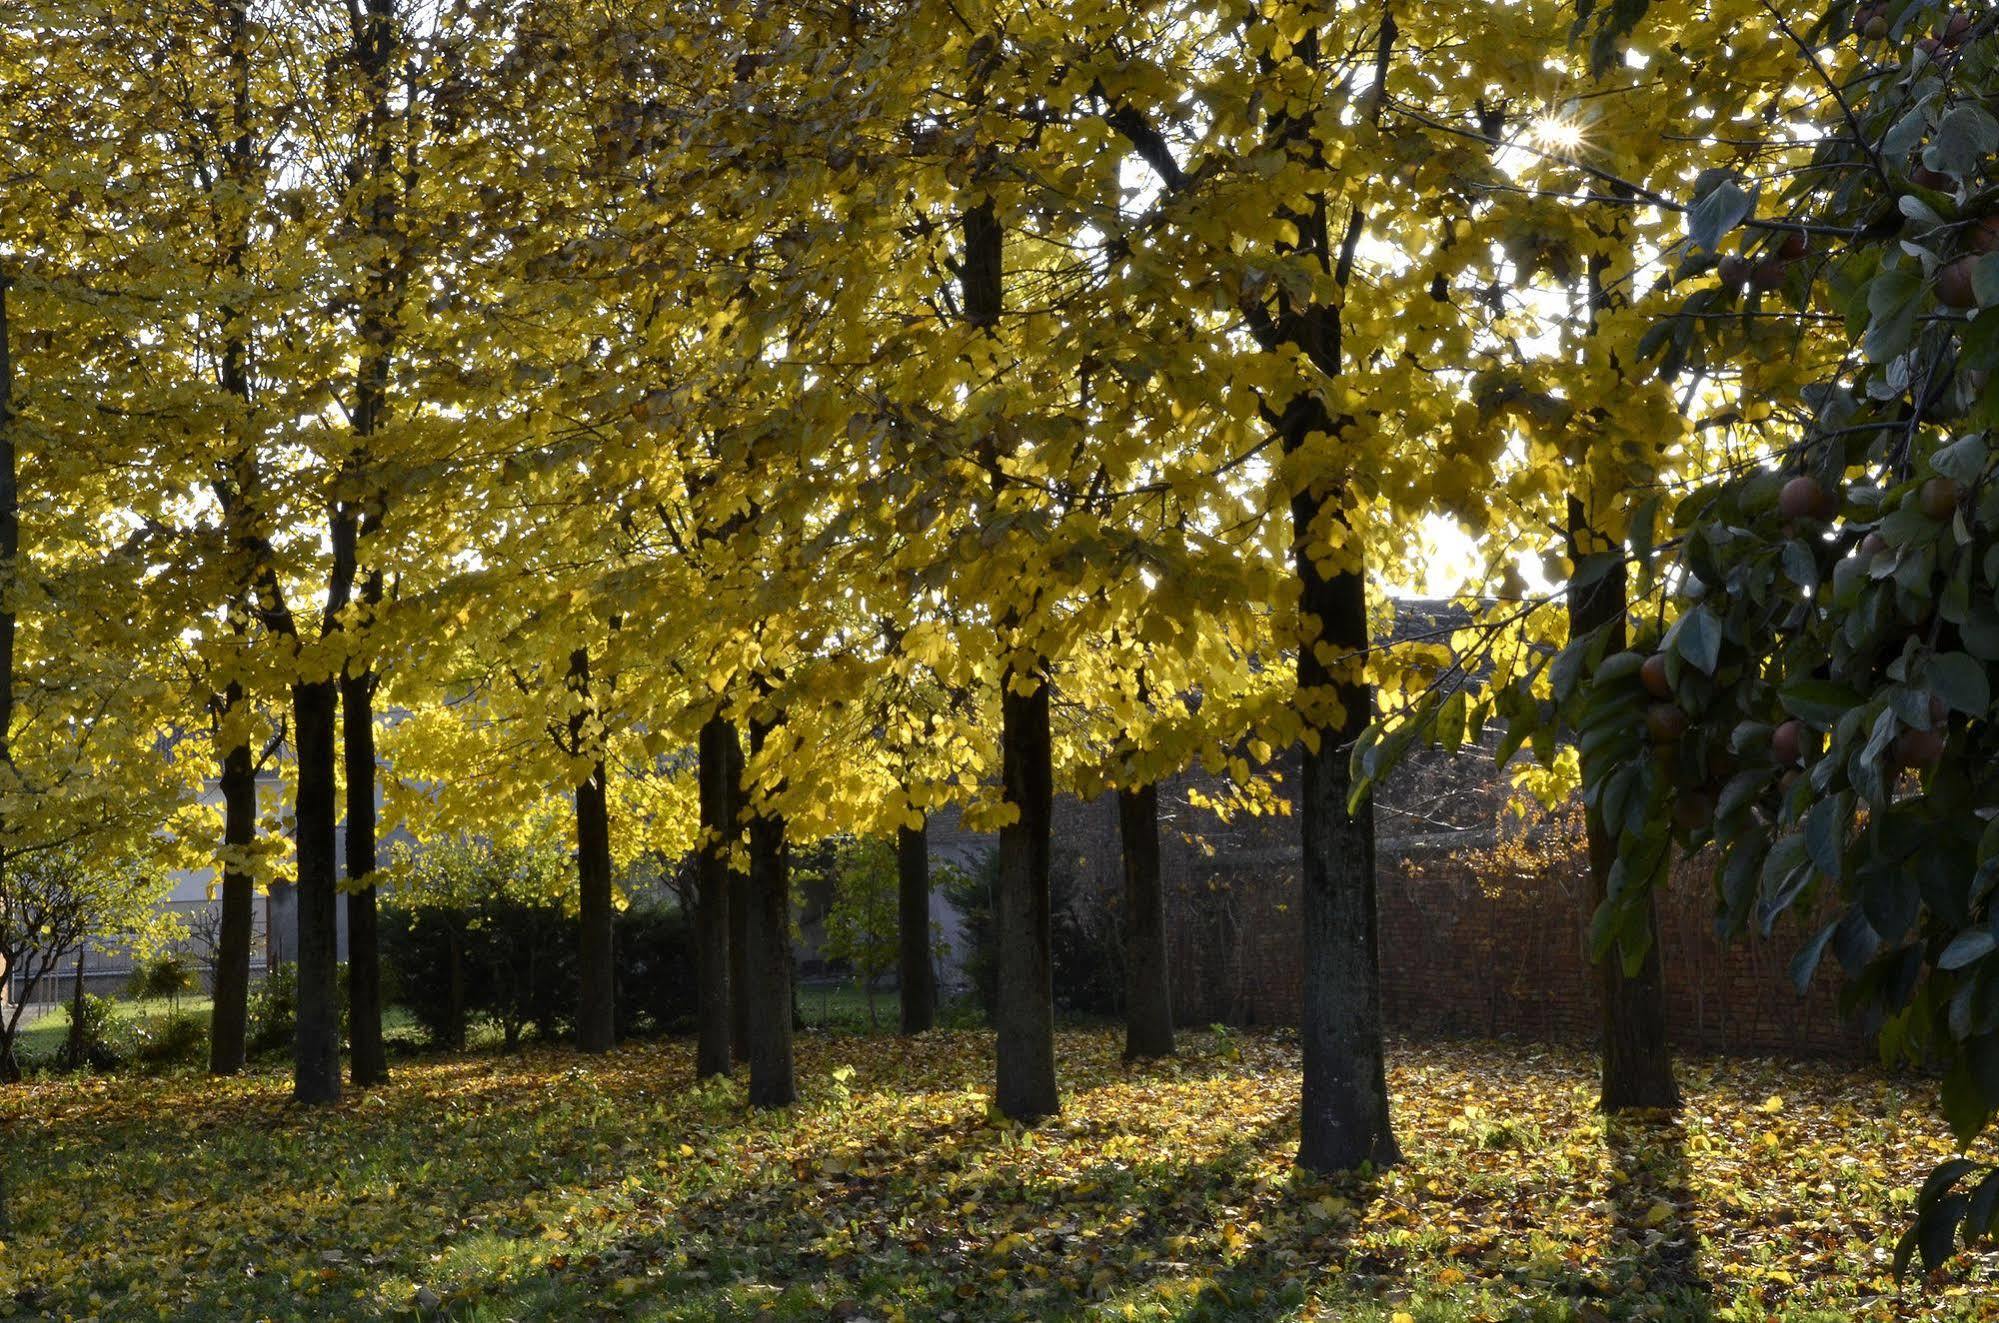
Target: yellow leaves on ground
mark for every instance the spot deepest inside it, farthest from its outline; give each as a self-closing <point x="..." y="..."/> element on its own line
<point x="541" y="1187"/>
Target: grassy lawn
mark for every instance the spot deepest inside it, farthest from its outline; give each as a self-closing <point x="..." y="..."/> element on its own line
<point x="546" y="1186"/>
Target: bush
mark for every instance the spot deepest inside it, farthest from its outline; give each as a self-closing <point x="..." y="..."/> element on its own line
<point x="501" y="962"/>
<point x="1086" y="947"/>
<point x="169" y="975"/>
<point x="657" y="988"/>
<point x="512" y="965"/>
<point x="90" y="1043"/>
<point x="273" y="1011"/>
<point x="178" y="1038"/>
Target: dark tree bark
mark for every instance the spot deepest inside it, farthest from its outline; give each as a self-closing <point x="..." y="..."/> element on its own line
<point x="1637" y="1052"/>
<point x="596" y="1007"/>
<point x="916" y="970"/>
<point x="229" y="1020"/>
<point x="740" y="991"/>
<point x="316" y="1050"/>
<point x="1343" y="1106"/>
<point x="712" y="899"/>
<point x="1344" y="1119"/>
<point x="228" y="1031"/>
<point x="1024" y="1015"/>
<point x="1024" y="1009"/>
<point x="368" y="1059"/>
<point x="769" y="965"/>
<point x="1148" y="993"/>
<point x="357" y="514"/>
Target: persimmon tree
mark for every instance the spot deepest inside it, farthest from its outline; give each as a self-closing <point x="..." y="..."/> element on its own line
<point x="1827" y="672"/>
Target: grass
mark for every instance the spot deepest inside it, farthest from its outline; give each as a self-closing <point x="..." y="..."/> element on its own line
<point x="40" y="1038"/>
<point x="549" y="1186"/>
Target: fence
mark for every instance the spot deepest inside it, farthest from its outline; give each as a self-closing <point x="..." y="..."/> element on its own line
<point x="108" y="962"/>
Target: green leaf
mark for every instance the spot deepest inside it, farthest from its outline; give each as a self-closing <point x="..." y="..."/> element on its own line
<point x="1696" y="636"/>
<point x="1960" y="681"/>
<point x="1817" y="703"/>
<point x="1723" y="208"/>
<point x="1825" y="829"/>
<point x="1966" y="947"/>
<point x="1963" y="459"/>
<point x="1894" y="298"/>
<point x="1962" y="140"/>
<point x="1964" y="1104"/>
<point x="1806" y="962"/>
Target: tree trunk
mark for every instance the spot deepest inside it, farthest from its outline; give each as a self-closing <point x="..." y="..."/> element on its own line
<point x="316" y="1054"/>
<point x="1024" y="1016"/>
<point x="1343" y="1108"/>
<point x="1024" y="1002"/>
<point x="917" y="971"/>
<point x="741" y="994"/>
<point x="596" y="1008"/>
<point x="769" y="947"/>
<point x="368" y="1060"/>
<point x="712" y="900"/>
<point x="229" y="1025"/>
<point x="356" y="516"/>
<point x="1637" y="1055"/>
<point x="1148" y="993"/>
<point x="596" y="1023"/>
<point x="76" y="995"/>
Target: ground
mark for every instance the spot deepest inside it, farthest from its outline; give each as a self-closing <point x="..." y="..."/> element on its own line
<point x="548" y="1186"/>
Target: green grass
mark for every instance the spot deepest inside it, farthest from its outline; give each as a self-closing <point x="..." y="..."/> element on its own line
<point x="39" y="1041"/>
<point x="549" y="1186"/>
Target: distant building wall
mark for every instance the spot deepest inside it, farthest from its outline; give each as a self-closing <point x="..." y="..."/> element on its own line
<point x="1464" y="950"/>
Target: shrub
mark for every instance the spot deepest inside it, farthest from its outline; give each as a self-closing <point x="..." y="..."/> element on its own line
<point x="970" y="892"/>
<point x="1086" y="947"/>
<point x="657" y="988"/>
<point x="169" y="975"/>
<point x="89" y="1045"/>
<point x="512" y="965"/>
<point x="502" y="962"/>
<point x="177" y="1038"/>
<point x="273" y="1010"/>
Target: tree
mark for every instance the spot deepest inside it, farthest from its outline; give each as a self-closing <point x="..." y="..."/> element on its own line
<point x="54" y="896"/>
<point x="1831" y="651"/>
<point x="867" y="921"/>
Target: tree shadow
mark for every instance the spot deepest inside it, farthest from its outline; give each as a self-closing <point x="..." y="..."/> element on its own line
<point x="1654" y="1251"/>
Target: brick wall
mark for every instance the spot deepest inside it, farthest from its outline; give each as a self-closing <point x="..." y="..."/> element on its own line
<point x="1473" y="942"/>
